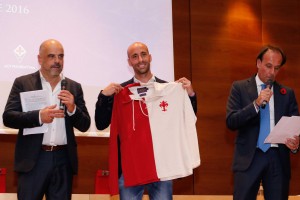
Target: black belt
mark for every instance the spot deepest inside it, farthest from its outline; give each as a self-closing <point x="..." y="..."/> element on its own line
<point x="53" y="148"/>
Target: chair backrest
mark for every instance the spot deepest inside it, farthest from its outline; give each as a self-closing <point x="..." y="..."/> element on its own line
<point x="2" y="180"/>
<point x="101" y="182"/>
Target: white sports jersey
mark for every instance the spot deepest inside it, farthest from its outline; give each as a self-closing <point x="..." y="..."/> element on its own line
<point x="172" y="124"/>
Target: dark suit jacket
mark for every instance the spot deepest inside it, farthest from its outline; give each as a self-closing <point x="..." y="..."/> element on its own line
<point x="104" y="106"/>
<point x="242" y="116"/>
<point x="28" y="147"/>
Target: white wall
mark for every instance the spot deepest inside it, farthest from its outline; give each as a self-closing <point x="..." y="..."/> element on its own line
<point x="95" y="35"/>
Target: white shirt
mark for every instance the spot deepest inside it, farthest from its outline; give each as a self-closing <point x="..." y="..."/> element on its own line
<point x="152" y="80"/>
<point x="56" y="133"/>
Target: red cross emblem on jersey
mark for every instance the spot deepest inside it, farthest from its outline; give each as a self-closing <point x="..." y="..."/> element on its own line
<point x="163" y="105"/>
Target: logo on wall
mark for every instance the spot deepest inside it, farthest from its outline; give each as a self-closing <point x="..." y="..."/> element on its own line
<point x="163" y="105"/>
<point x="20" y="53"/>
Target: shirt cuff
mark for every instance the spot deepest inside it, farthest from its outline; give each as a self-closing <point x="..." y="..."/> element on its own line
<point x="192" y="95"/>
<point x="40" y="120"/>
<point x="256" y="106"/>
<point x="72" y="113"/>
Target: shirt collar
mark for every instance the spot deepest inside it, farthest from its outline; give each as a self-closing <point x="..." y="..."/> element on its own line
<point x="258" y="81"/>
<point x="152" y="80"/>
<point x="42" y="77"/>
<point x="44" y="80"/>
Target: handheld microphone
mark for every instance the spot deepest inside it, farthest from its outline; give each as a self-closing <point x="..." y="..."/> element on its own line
<point x="268" y="85"/>
<point x="63" y="86"/>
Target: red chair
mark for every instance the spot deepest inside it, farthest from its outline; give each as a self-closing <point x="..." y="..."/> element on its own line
<point x="101" y="182"/>
<point x="2" y="180"/>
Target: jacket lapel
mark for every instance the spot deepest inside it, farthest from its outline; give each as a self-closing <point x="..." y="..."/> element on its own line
<point x="252" y="88"/>
<point x="36" y="81"/>
<point x="277" y="102"/>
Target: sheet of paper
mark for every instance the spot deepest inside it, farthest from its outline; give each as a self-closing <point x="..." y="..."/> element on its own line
<point x="287" y="127"/>
<point x="34" y="100"/>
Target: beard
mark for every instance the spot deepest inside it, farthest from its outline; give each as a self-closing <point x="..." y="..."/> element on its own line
<point x="143" y="70"/>
<point x="55" y="70"/>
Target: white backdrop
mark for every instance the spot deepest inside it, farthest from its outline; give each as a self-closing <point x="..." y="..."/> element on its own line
<point x="95" y="35"/>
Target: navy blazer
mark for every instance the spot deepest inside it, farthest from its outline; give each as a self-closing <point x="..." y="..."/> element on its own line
<point x="28" y="147"/>
<point x="242" y="116"/>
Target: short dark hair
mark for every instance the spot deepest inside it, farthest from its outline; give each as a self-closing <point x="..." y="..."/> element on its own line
<point x="273" y="48"/>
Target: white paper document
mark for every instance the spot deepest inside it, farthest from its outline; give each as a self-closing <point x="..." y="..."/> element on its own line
<point x="287" y="127"/>
<point x="34" y="100"/>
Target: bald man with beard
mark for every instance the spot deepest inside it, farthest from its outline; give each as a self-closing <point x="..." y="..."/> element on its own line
<point x="46" y="161"/>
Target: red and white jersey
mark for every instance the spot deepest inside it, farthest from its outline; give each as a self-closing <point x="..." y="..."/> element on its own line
<point x="173" y="129"/>
<point x="158" y="140"/>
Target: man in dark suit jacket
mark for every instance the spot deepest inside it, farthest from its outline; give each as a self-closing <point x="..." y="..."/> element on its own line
<point x="139" y="59"/>
<point x="46" y="161"/>
<point x="251" y="165"/>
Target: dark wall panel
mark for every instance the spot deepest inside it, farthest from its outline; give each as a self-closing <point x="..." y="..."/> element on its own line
<point x="281" y="26"/>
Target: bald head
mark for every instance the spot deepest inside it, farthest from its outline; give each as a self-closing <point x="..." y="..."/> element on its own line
<point x="51" y="43"/>
<point x="51" y="59"/>
<point x="139" y="59"/>
<point x="136" y="45"/>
